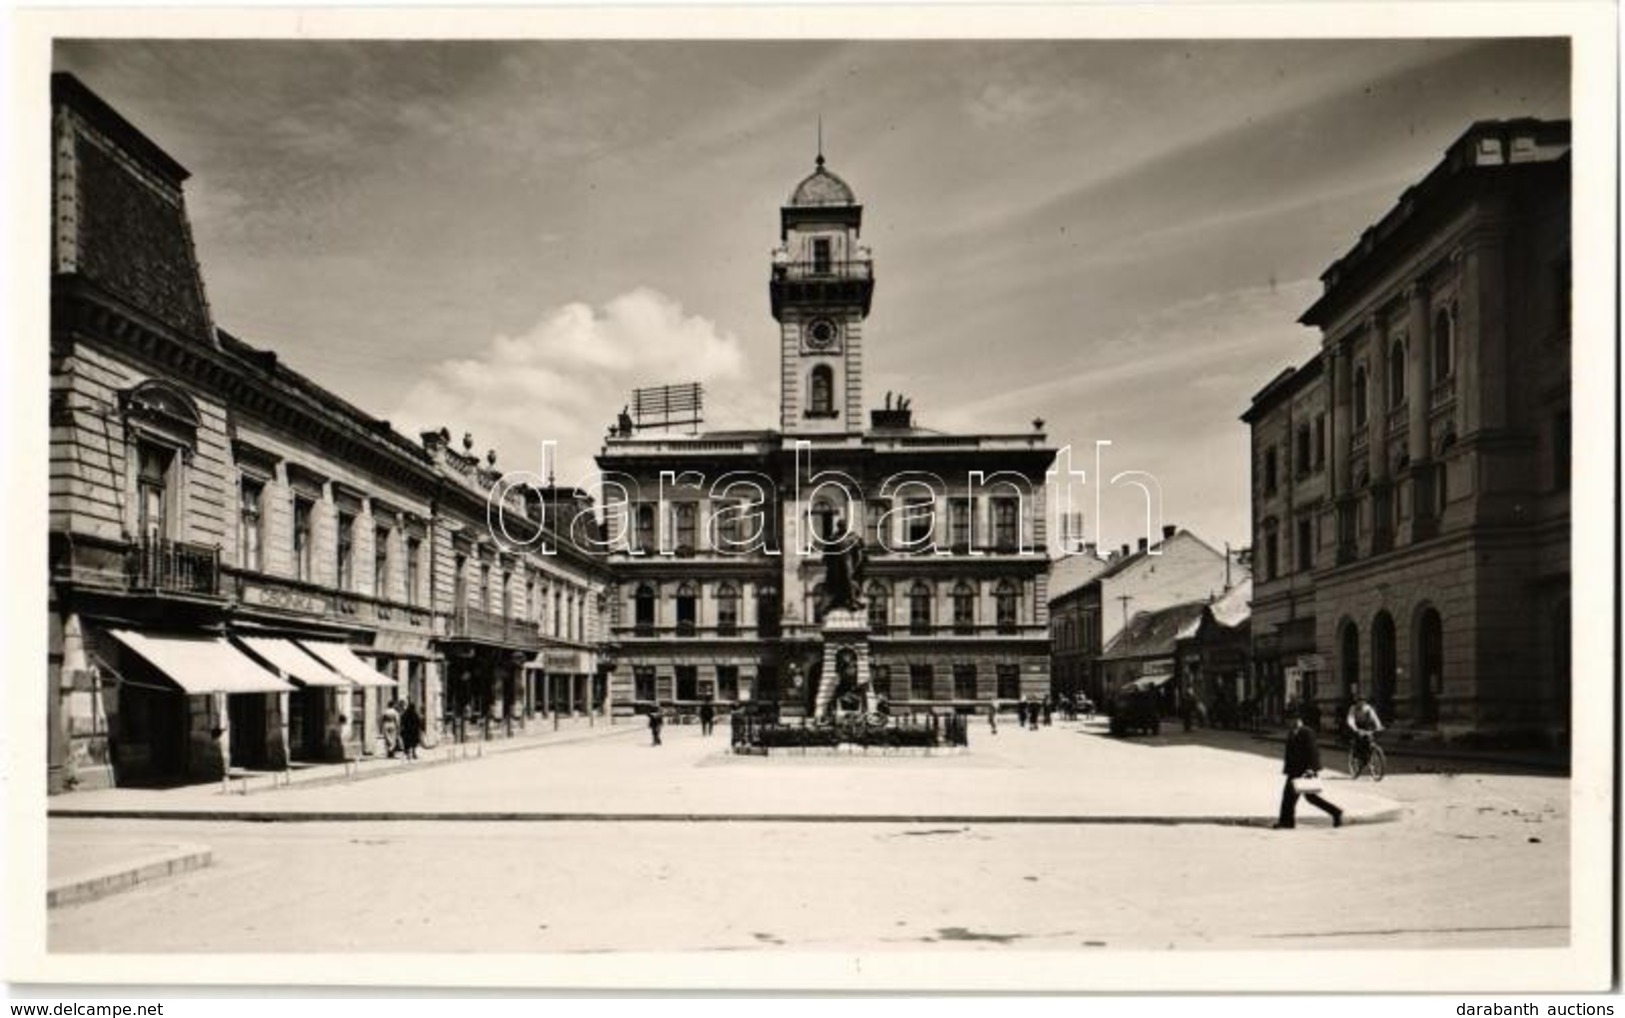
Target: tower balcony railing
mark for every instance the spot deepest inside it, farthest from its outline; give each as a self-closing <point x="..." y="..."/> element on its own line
<point x="858" y="268"/>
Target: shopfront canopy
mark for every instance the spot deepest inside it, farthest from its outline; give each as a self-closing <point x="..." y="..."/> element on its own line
<point x="286" y="657"/>
<point x="202" y="664"/>
<point x="342" y="659"/>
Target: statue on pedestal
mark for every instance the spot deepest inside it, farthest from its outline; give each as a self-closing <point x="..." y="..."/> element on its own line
<point x="843" y="573"/>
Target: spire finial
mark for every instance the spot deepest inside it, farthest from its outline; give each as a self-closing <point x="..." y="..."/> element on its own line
<point x="820" y="141"/>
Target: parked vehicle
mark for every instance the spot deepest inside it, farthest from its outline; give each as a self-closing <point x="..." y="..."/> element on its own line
<point x="1136" y="709"/>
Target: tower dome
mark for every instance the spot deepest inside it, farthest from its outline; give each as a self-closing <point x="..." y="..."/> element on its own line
<point x="822" y="187"/>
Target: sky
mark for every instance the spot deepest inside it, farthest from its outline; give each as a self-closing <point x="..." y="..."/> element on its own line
<point x="505" y="238"/>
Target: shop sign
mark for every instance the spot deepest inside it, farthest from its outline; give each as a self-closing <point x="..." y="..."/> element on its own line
<point x="287" y="599"/>
<point x="567" y="662"/>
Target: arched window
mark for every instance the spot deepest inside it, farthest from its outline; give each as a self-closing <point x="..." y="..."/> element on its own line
<point x="643" y="606"/>
<point x="1360" y="407"/>
<point x="821" y="392"/>
<point x="1444" y="345"/>
<point x="1007" y="605"/>
<point x="688" y="597"/>
<point x="964" y="608"/>
<point x="919" y="608"/>
<point x="727" y="609"/>
<point x="879" y="598"/>
<point x="767" y="610"/>
<point x="1396" y="374"/>
<point x="644" y="524"/>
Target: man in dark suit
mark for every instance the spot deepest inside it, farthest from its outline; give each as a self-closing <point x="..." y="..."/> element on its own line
<point x="1302" y="760"/>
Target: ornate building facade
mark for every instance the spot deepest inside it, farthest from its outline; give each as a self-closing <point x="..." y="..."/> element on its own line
<point x="715" y="535"/>
<point x="1410" y="481"/>
<point x="244" y="568"/>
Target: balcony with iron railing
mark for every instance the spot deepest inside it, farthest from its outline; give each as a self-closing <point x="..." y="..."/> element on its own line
<point x="174" y="567"/>
<point x="494" y="627"/>
<point x="857" y="268"/>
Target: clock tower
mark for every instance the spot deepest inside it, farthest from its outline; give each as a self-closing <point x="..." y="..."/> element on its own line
<point x="821" y="288"/>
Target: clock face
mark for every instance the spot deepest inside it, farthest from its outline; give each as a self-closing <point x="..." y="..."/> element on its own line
<point x="820" y="333"/>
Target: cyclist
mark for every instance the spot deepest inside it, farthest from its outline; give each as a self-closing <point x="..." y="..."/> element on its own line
<point x="1364" y="724"/>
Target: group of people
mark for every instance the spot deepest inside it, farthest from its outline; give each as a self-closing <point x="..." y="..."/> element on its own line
<point x="401" y="729"/>
<point x="1302" y="763"/>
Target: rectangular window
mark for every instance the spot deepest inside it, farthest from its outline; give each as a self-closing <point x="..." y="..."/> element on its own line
<point x="1320" y="442"/>
<point x="687" y="512"/>
<point x="1271" y="556"/>
<point x="1006" y="524"/>
<point x="459" y="583"/>
<point x="1306" y="544"/>
<point x="346" y="551"/>
<point x="871" y="522"/>
<point x="959" y="523"/>
<point x="380" y="562"/>
<point x="507" y="595"/>
<point x="964" y="682"/>
<point x="152" y="487"/>
<point x="643" y="683"/>
<point x="727" y="682"/>
<point x="688" y="683"/>
<point x="644" y="514"/>
<point x="1269" y="470"/>
<point x="920" y="513"/>
<point x="1009" y="680"/>
<point x="251" y="522"/>
<point x="303" y="510"/>
<point x="485" y="587"/>
<point x="821" y="255"/>
<point x="414" y="549"/>
<point x="880" y="679"/>
<point x="921" y="682"/>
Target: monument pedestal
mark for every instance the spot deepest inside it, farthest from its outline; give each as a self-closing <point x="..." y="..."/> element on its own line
<point x="845" y="637"/>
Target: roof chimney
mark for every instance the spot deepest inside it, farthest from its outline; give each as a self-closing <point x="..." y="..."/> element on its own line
<point x="1125" y="551"/>
<point x="1168" y="530"/>
<point x="1142" y="544"/>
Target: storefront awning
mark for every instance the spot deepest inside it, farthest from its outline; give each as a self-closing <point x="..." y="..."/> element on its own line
<point x="207" y="664"/>
<point x="287" y="658"/>
<point x="1151" y="681"/>
<point x="341" y="659"/>
<point x="564" y="662"/>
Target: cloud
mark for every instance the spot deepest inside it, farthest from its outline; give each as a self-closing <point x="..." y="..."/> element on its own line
<point x="565" y="378"/>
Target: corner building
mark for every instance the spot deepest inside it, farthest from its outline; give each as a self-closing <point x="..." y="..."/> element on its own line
<point x="953" y="526"/>
<point x="1411" y="480"/>
<point x="244" y="568"/>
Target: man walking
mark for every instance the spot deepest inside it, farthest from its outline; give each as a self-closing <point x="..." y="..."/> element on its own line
<point x="1302" y="761"/>
<point x="656" y="721"/>
<point x="708" y="716"/>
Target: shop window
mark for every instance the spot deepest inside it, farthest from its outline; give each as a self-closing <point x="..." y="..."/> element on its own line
<point x="727" y="683"/>
<point x="688" y="684"/>
<point x="643" y="683"/>
<point x="1009" y="682"/>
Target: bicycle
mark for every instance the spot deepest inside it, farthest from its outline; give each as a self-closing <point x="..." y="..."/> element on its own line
<point x="1376" y="761"/>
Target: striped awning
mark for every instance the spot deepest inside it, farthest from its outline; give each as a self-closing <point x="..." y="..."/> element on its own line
<point x="202" y="664"/>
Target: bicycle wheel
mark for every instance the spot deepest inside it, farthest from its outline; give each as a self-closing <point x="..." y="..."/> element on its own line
<point x="1354" y="762"/>
<point x="1379" y="763"/>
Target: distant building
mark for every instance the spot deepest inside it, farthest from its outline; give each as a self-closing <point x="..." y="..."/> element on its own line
<point x="954" y="591"/>
<point x="1179" y="569"/>
<point x="1146" y="652"/>
<point x="1411" y="481"/>
<point x="1214" y="651"/>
